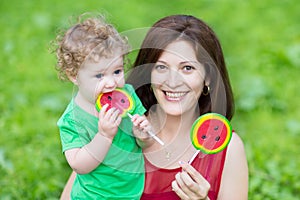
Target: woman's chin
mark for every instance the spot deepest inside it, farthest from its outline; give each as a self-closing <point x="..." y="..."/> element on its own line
<point x="173" y="110"/>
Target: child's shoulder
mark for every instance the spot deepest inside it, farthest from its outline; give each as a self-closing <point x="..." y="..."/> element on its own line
<point x="73" y="112"/>
<point x="128" y="87"/>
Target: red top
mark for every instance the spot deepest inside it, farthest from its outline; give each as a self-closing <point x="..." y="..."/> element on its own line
<point x="158" y="181"/>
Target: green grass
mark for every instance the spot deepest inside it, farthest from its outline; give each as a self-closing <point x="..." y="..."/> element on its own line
<point x="261" y="42"/>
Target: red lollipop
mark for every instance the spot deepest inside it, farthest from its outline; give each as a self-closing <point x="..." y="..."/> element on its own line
<point x="211" y="133"/>
<point x="118" y="98"/>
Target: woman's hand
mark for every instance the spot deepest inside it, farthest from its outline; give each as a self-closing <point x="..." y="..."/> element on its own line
<point x="190" y="184"/>
<point x="109" y="121"/>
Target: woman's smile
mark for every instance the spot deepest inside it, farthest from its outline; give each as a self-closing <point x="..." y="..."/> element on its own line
<point x="174" y="96"/>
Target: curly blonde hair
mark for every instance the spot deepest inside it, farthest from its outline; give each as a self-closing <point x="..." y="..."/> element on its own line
<point x="89" y="39"/>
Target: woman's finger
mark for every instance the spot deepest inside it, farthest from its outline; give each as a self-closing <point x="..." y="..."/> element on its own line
<point x="195" y="183"/>
<point x="178" y="191"/>
<point x="191" y="188"/>
<point x="194" y="174"/>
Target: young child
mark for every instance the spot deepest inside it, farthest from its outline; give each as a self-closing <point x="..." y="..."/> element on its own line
<point x="99" y="146"/>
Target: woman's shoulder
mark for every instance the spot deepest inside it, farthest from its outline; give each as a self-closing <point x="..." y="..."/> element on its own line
<point x="236" y="148"/>
<point x="236" y="142"/>
<point x="235" y="173"/>
<point x="236" y="155"/>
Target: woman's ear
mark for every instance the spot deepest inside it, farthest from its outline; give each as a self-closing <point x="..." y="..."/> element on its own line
<point x="207" y="77"/>
<point x="207" y="81"/>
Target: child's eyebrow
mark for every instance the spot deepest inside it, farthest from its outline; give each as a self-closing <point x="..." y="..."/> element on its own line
<point x="100" y="70"/>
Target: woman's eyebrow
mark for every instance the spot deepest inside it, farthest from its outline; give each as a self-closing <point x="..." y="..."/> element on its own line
<point x="183" y="62"/>
<point x="161" y="61"/>
<point x="189" y="61"/>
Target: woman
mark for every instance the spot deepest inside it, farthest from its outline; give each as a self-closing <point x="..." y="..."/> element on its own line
<point x="179" y="75"/>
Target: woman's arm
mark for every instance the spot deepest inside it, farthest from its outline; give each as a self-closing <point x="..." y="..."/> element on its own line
<point x="234" y="183"/>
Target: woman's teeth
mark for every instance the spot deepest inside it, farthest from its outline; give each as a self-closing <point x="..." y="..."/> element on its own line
<point x="175" y="94"/>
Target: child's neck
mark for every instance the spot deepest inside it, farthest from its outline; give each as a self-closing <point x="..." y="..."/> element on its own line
<point x="84" y="104"/>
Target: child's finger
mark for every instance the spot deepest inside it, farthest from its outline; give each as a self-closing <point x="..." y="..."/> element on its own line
<point x="144" y="124"/>
<point x="118" y="120"/>
<point x="136" y="120"/>
<point x="115" y="114"/>
<point x="103" y="111"/>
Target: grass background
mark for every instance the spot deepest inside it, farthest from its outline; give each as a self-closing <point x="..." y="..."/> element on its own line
<point x="261" y="42"/>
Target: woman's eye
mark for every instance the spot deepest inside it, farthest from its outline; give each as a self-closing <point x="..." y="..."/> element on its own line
<point x="188" y="68"/>
<point x="99" y="76"/>
<point x="161" y="67"/>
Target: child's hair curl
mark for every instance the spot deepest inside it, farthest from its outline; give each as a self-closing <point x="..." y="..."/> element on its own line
<point x="89" y="39"/>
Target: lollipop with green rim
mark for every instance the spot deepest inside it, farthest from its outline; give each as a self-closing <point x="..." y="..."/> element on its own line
<point x="211" y="133"/>
<point x="119" y="98"/>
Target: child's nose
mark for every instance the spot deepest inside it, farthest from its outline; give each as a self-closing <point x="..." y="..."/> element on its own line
<point x="110" y="82"/>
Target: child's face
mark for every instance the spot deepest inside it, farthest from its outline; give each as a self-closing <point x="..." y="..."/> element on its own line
<point x="100" y="77"/>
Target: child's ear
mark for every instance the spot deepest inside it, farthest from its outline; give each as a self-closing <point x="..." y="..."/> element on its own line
<point x="72" y="78"/>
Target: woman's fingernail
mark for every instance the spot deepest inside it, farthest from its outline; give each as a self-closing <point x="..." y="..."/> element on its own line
<point x="181" y="162"/>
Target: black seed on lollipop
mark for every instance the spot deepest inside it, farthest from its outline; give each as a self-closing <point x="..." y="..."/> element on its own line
<point x="109" y="98"/>
<point x="122" y="101"/>
<point x="203" y="137"/>
<point x="217" y="138"/>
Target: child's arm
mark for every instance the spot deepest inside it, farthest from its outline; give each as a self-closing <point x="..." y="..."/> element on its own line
<point x="141" y="127"/>
<point x="84" y="160"/>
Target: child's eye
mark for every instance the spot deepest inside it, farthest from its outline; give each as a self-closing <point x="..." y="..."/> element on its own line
<point x="99" y="76"/>
<point x="119" y="71"/>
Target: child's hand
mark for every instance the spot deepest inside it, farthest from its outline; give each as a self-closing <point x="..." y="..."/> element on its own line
<point x="109" y="121"/>
<point x="141" y="126"/>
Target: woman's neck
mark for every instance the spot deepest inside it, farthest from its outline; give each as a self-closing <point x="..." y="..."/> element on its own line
<point x="174" y="131"/>
<point x="170" y="127"/>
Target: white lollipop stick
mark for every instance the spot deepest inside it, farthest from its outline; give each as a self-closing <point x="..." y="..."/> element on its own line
<point x="151" y="134"/>
<point x="194" y="156"/>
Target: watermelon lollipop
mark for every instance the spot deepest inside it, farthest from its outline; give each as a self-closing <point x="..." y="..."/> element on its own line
<point x="211" y="133"/>
<point x="118" y="98"/>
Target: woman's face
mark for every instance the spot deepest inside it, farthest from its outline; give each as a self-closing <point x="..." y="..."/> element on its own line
<point x="177" y="78"/>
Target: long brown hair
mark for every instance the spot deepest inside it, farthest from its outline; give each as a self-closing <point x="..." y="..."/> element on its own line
<point x="208" y="51"/>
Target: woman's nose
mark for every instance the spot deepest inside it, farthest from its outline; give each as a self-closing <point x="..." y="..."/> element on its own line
<point x="174" y="79"/>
